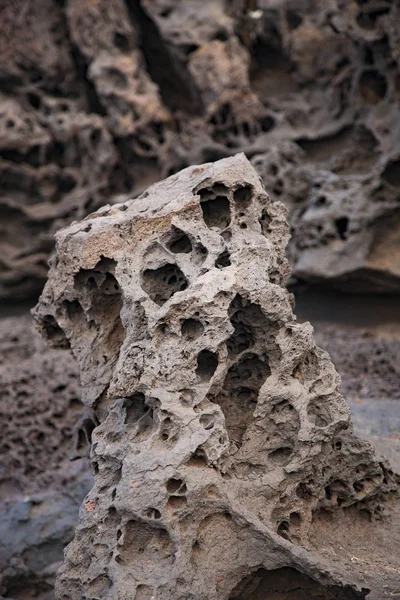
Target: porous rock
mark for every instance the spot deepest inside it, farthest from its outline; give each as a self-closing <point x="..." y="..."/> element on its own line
<point x="222" y="433"/>
<point x="40" y="488"/>
<point x="104" y="98"/>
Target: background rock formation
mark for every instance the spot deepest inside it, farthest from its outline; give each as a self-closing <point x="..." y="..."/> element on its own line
<point x="101" y="99"/>
<point x="224" y="446"/>
<point x="40" y="489"/>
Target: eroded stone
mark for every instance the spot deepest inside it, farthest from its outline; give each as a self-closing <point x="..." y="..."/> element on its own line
<point x="222" y="433"/>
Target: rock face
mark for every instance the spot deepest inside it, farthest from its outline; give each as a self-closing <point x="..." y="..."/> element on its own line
<point x="222" y="437"/>
<point x="101" y="99"/>
<point x="40" y="402"/>
<point x="40" y="489"/>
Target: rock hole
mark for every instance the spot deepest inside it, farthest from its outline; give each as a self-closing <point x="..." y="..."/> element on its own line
<point x="53" y="333"/>
<point x="66" y="184"/>
<point x="121" y="42"/>
<point x="295" y="518"/>
<point x="175" y="485"/>
<point x="265" y="222"/>
<point x="177" y="502"/>
<point x="318" y="413"/>
<point x="336" y="491"/>
<point x="372" y="86"/>
<point x="321" y="201"/>
<point x="222" y="35"/>
<point x="281" y="456"/>
<point x="99" y="587"/>
<point x="284" y="530"/>
<point x="282" y="408"/>
<point x="162" y="283"/>
<point x="139" y="416"/>
<point x="34" y="100"/>
<point x="167" y="430"/>
<point x="216" y="212"/>
<point x="367" y="20"/>
<point x="144" y="592"/>
<point x="207" y="363"/>
<point x="152" y="513"/>
<point x="242" y="318"/>
<point x="197" y="460"/>
<point x="358" y="486"/>
<point x="152" y="544"/>
<point x="342" y="227"/>
<point x="105" y="296"/>
<point x="287" y="583"/>
<point x="207" y="421"/>
<point x="242" y="196"/>
<point x="304" y="490"/>
<point x="238" y="398"/>
<point x="163" y="328"/>
<point x="391" y="173"/>
<point x="180" y="243"/>
<point x="223" y="260"/>
<point x="323" y="147"/>
<point x="192" y="329"/>
<point x="267" y="123"/>
<point x="294" y="20"/>
<point x="74" y="310"/>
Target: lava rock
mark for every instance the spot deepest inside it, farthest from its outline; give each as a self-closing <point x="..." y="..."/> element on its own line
<point x="223" y="439"/>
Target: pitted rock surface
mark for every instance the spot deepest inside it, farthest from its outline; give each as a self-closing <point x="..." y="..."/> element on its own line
<point x="40" y="488"/>
<point x="223" y="438"/>
<point x="101" y="99"/>
<point x="40" y="405"/>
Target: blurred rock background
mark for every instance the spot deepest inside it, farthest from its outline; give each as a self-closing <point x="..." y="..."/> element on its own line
<point x="100" y="99"/>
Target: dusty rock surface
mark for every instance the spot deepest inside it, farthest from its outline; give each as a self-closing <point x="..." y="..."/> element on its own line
<point x="40" y="489"/>
<point x="370" y="388"/>
<point x="103" y="98"/>
<point x="224" y="446"/>
<point x="369" y="365"/>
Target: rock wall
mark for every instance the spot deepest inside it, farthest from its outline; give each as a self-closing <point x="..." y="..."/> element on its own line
<point x="223" y="441"/>
<point x="42" y="427"/>
<point x="100" y="99"/>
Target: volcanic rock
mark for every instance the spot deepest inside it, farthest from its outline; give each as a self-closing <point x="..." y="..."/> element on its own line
<point x="224" y="458"/>
<point x="101" y="99"/>
<point x="40" y="489"/>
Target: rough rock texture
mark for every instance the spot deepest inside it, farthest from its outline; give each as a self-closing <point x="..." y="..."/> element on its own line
<point x="40" y="403"/>
<point x="103" y="98"/>
<point x="224" y="444"/>
<point x="369" y="366"/>
<point x="34" y="530"/>
<point x="362" y="335"/>
<point x="40" y="489"/>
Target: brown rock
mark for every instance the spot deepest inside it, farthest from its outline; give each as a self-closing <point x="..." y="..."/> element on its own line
<point x="104" y="98"/>
<point x="225" y="456"/>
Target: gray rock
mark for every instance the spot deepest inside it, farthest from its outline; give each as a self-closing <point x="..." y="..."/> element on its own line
<point x="40" y="489"/>
<point x="101" y="99"/>
<point x="224" y="445"/>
